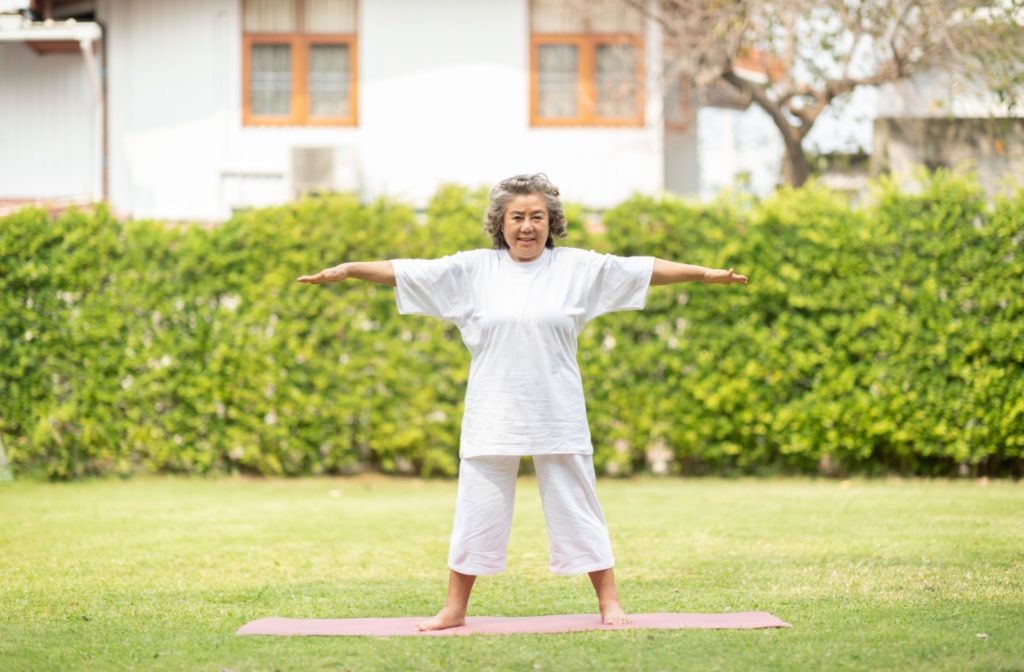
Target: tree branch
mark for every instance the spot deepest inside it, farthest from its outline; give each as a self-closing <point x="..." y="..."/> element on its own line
<point x="773" y="109"/>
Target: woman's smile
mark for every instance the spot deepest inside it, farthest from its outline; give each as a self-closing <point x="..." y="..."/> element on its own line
<point x="526" y="241"/>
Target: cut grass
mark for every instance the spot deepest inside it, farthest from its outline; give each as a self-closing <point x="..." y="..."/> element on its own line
<point x="158" y="573"/>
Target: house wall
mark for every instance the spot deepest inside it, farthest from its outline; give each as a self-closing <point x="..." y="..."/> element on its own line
<point x="49" y="130"/>
<point x="738" y="150"/>
<point x="682" y="169"/>
<point x="169" y="95"/>
<point x="443" y="97"/>
<point x="993" y="147"/>
<point x="935" y="93"/>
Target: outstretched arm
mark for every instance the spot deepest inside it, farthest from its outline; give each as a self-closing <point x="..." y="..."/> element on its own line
<point x="381" y="272"/>
<point x="670" y="272"/>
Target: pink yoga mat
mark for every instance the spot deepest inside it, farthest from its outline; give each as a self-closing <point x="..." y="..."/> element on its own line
<point x="502" y="625"/>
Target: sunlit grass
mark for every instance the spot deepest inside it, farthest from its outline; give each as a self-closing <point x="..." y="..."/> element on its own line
<point x="158" y="573"/>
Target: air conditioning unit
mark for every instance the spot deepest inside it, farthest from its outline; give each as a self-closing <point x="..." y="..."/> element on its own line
<point x="312" y="170"/>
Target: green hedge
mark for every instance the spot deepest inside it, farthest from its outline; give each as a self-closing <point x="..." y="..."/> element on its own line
<point x="883" y="339"/>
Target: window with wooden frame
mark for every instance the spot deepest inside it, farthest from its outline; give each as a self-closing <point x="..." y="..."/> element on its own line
<point x="586" y="63"/>
<point x="299" y="62"/>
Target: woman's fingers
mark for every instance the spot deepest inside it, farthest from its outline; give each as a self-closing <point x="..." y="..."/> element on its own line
<point x="317" y="279"/>
<point x="728" y="277"/>
<point x="739" y="278"/>
<point x="333" y="274"/>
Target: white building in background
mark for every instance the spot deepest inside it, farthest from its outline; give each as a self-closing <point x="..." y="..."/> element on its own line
<point x="194" y="108"/>
<point x="191" y="109"/>
<point x="51" y="97"/>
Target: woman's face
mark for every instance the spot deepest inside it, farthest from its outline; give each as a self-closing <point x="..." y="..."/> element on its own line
<point x="526" y="226"/>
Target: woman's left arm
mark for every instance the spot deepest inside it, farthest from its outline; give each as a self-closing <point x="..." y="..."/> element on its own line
<point x="670" y="272"/>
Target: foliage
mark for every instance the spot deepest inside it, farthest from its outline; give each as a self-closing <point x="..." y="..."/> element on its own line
<point x="889" y="338"/>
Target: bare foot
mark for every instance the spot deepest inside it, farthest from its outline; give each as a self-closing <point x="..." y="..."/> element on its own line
<point x="446" y="618"/>
<point x="612" y="614"/>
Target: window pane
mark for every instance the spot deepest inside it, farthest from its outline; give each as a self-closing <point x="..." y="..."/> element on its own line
<point x="614" y="16"/>
<point x="557" y="76"/>
<point x="270" y="79"/>
<point x="585" y="16"/>
<point x="330" y="16"/>
<point x="615" y="71"/>
<point x="270" y="16"/>
<point x="329" y="80"/>
<point x="558" y="16"/>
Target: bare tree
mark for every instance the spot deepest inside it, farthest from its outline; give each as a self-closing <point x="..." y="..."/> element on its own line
<point x="815" y="51"/>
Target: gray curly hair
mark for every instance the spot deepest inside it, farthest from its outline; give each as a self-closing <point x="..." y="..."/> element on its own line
<point x="504" y="191"/>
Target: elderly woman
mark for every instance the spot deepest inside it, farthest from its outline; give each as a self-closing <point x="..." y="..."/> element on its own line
<point x="520" y="307"/>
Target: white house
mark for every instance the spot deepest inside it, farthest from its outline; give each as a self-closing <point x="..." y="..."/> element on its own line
<point x="935" y="117"/>
<point x="194" y="108"/>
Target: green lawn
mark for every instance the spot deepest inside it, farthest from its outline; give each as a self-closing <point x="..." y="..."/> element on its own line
<point x="157" y="573"/>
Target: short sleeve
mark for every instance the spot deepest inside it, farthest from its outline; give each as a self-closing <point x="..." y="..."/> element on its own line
<point x="435" y="287"/>
<point x="617" y="283"/>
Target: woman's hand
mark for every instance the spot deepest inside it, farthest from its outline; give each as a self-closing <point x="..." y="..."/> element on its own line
<point x="333" y="274"/>
<point x="720" y="277"/>
<point x="381" y="272"/>
<point x="670" y="272"/>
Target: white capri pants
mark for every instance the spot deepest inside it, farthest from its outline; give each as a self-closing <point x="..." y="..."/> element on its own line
<point x="577" y="533"/>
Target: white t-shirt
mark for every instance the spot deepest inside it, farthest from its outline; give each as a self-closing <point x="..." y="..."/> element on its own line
<point x="520" y="322"/>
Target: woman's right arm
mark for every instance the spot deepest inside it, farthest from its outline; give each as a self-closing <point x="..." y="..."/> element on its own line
<point x="381" y="272"/>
